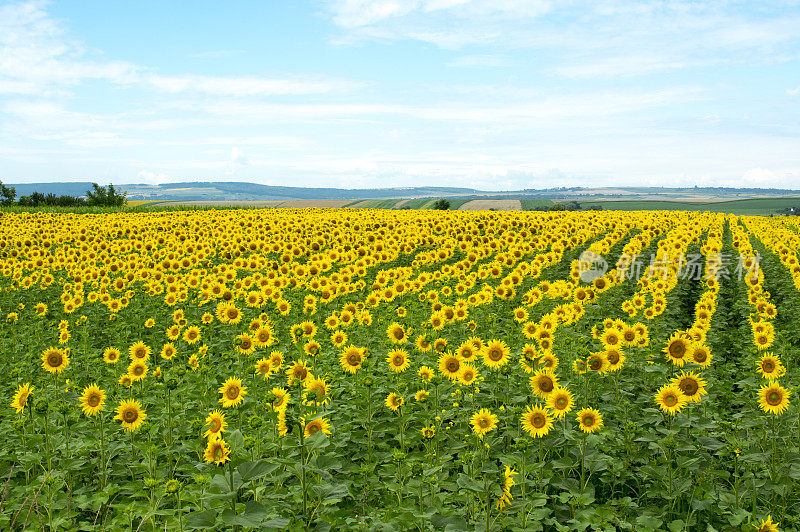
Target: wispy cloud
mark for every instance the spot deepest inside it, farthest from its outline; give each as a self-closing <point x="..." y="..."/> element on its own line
<point x="217" y="54"/>
<point x="482" y="61"/>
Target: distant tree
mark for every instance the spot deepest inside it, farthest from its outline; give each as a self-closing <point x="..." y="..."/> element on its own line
<point x="441" y="205"/>
<point x="104" y="197"/>
<point x="557" y="207"/>
<point x="7" y="194"/>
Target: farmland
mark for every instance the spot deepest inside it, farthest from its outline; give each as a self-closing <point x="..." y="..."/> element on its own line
<point x="390" y="369"/>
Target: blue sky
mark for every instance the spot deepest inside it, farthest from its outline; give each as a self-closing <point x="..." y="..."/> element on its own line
<point x="492" y="94"/>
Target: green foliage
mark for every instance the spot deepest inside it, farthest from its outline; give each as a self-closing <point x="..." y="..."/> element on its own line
<point x="7" y="194"/>
<point x="441" y="205"/>
<point x="104" y="196"/>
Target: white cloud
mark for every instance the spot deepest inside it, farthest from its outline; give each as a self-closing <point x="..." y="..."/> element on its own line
<point x="238" y="157"/>
<point x="482" y="61"/>
<point x="247" y="86"/>
<point x="37" y="56"/>
<point x="794" y="92"/>
<point x="153" y="178"/>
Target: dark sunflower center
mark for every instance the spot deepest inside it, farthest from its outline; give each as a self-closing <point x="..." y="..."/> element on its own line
<point x="54" y="360"/>
<point x="232" y="392"/>
<point x="538" y="420"/>
<point x="215" y="425"/>
<point x="545" y="384"/>
<point x="768" y="366"/>
<point x="495" y="354"/>
<point x="561" y="403"/>
<point x="670" y="400"/>
<point x="630" y="336"/>
<point x="613" y="357"/>
<point x="588" y="420"/>
<point x="774" y="398"/>
<point x="353" y="359"/>
<point x="483" y="423"/>
<point x="595" y="364"/>
<point x="689" y="386"/>
<point x="313" y="428"/>
<point x="130" y="416"/>
<point x="677" y="349"/>
<point x="93" y="400"/>
<point x="452" y="365"/>
<point x="700" y="356"/>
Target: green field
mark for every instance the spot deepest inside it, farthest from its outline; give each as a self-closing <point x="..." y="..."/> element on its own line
<point x="744" y="207"/>
<point x="531" y="204"/>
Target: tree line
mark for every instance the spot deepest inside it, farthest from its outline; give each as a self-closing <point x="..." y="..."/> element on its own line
<point x="97" y="196"/>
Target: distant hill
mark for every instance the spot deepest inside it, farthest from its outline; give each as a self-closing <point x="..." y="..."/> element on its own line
<point x="242" y="191"/>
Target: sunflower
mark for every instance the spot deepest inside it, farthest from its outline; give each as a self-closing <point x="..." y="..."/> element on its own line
<point x="351" y="359"/>
<point x="421" y="395"/>
<point x="766" y="525"/>
<point x="440" y="345"/>
<point x="216" y="425"/>
<point x="425" y="372"/>
<point x="611" y="338"/>
<point x="54" y="360"/>
<point x="483" y="422"/>
<point x="428" y="432"/>
<point x="543" y="382"/>
<point x="311" y="348"/>
<point x="244" y="344"/>
<point x="676" y="350"/>
<point x="763" y="340"/>
<point x="21" y="397"/>
<point x="773" y="398"/>
<point x="217" y="452"/>
<point x="468" y="374"/>
<point x="397" y="360"/>
<point x="192" y="334"/>
<point x="496" y="354"/>
<point x="692" y="386"/>
<point x="168" y="351"/>
<point x="282" y="398"/>
<point x="508" y="483"/>
<point x="125" y="380"/>
<point x="318" y="390"/>
<point x="339" y="338"/>
<point x="92" y="400"/>
<point x="560" y="401"/>
<point x="616" y="359"/>
<point x="263" y="366"/>
<point x="232" y="392"/>
<point x="701" y="356"/>
<point x="589" y="420"/>
<point x="449" y="366"/>
<point x="276" y="360"/>
<point x="139" y="351"/>
<point x="396" y="333"/>
<point x="137" y="370"/>
<point x="536" y="421"/>
<point x="597" y="362"/>
<point x="549" y="361"/>
<point x="131" y="414"/>
<point x="422" y="343"/>
<point x="111" y="355"/>
<point x="770" y="366"/>
<point x="670" y="399"/>
<point x="394" y="401"/>
<point x="317" y="425"/>
<point x="466" y="351"/>
<point x="298" y="371"/>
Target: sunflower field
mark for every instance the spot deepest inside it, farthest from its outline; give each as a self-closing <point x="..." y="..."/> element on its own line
<point x="323" y="369"/>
